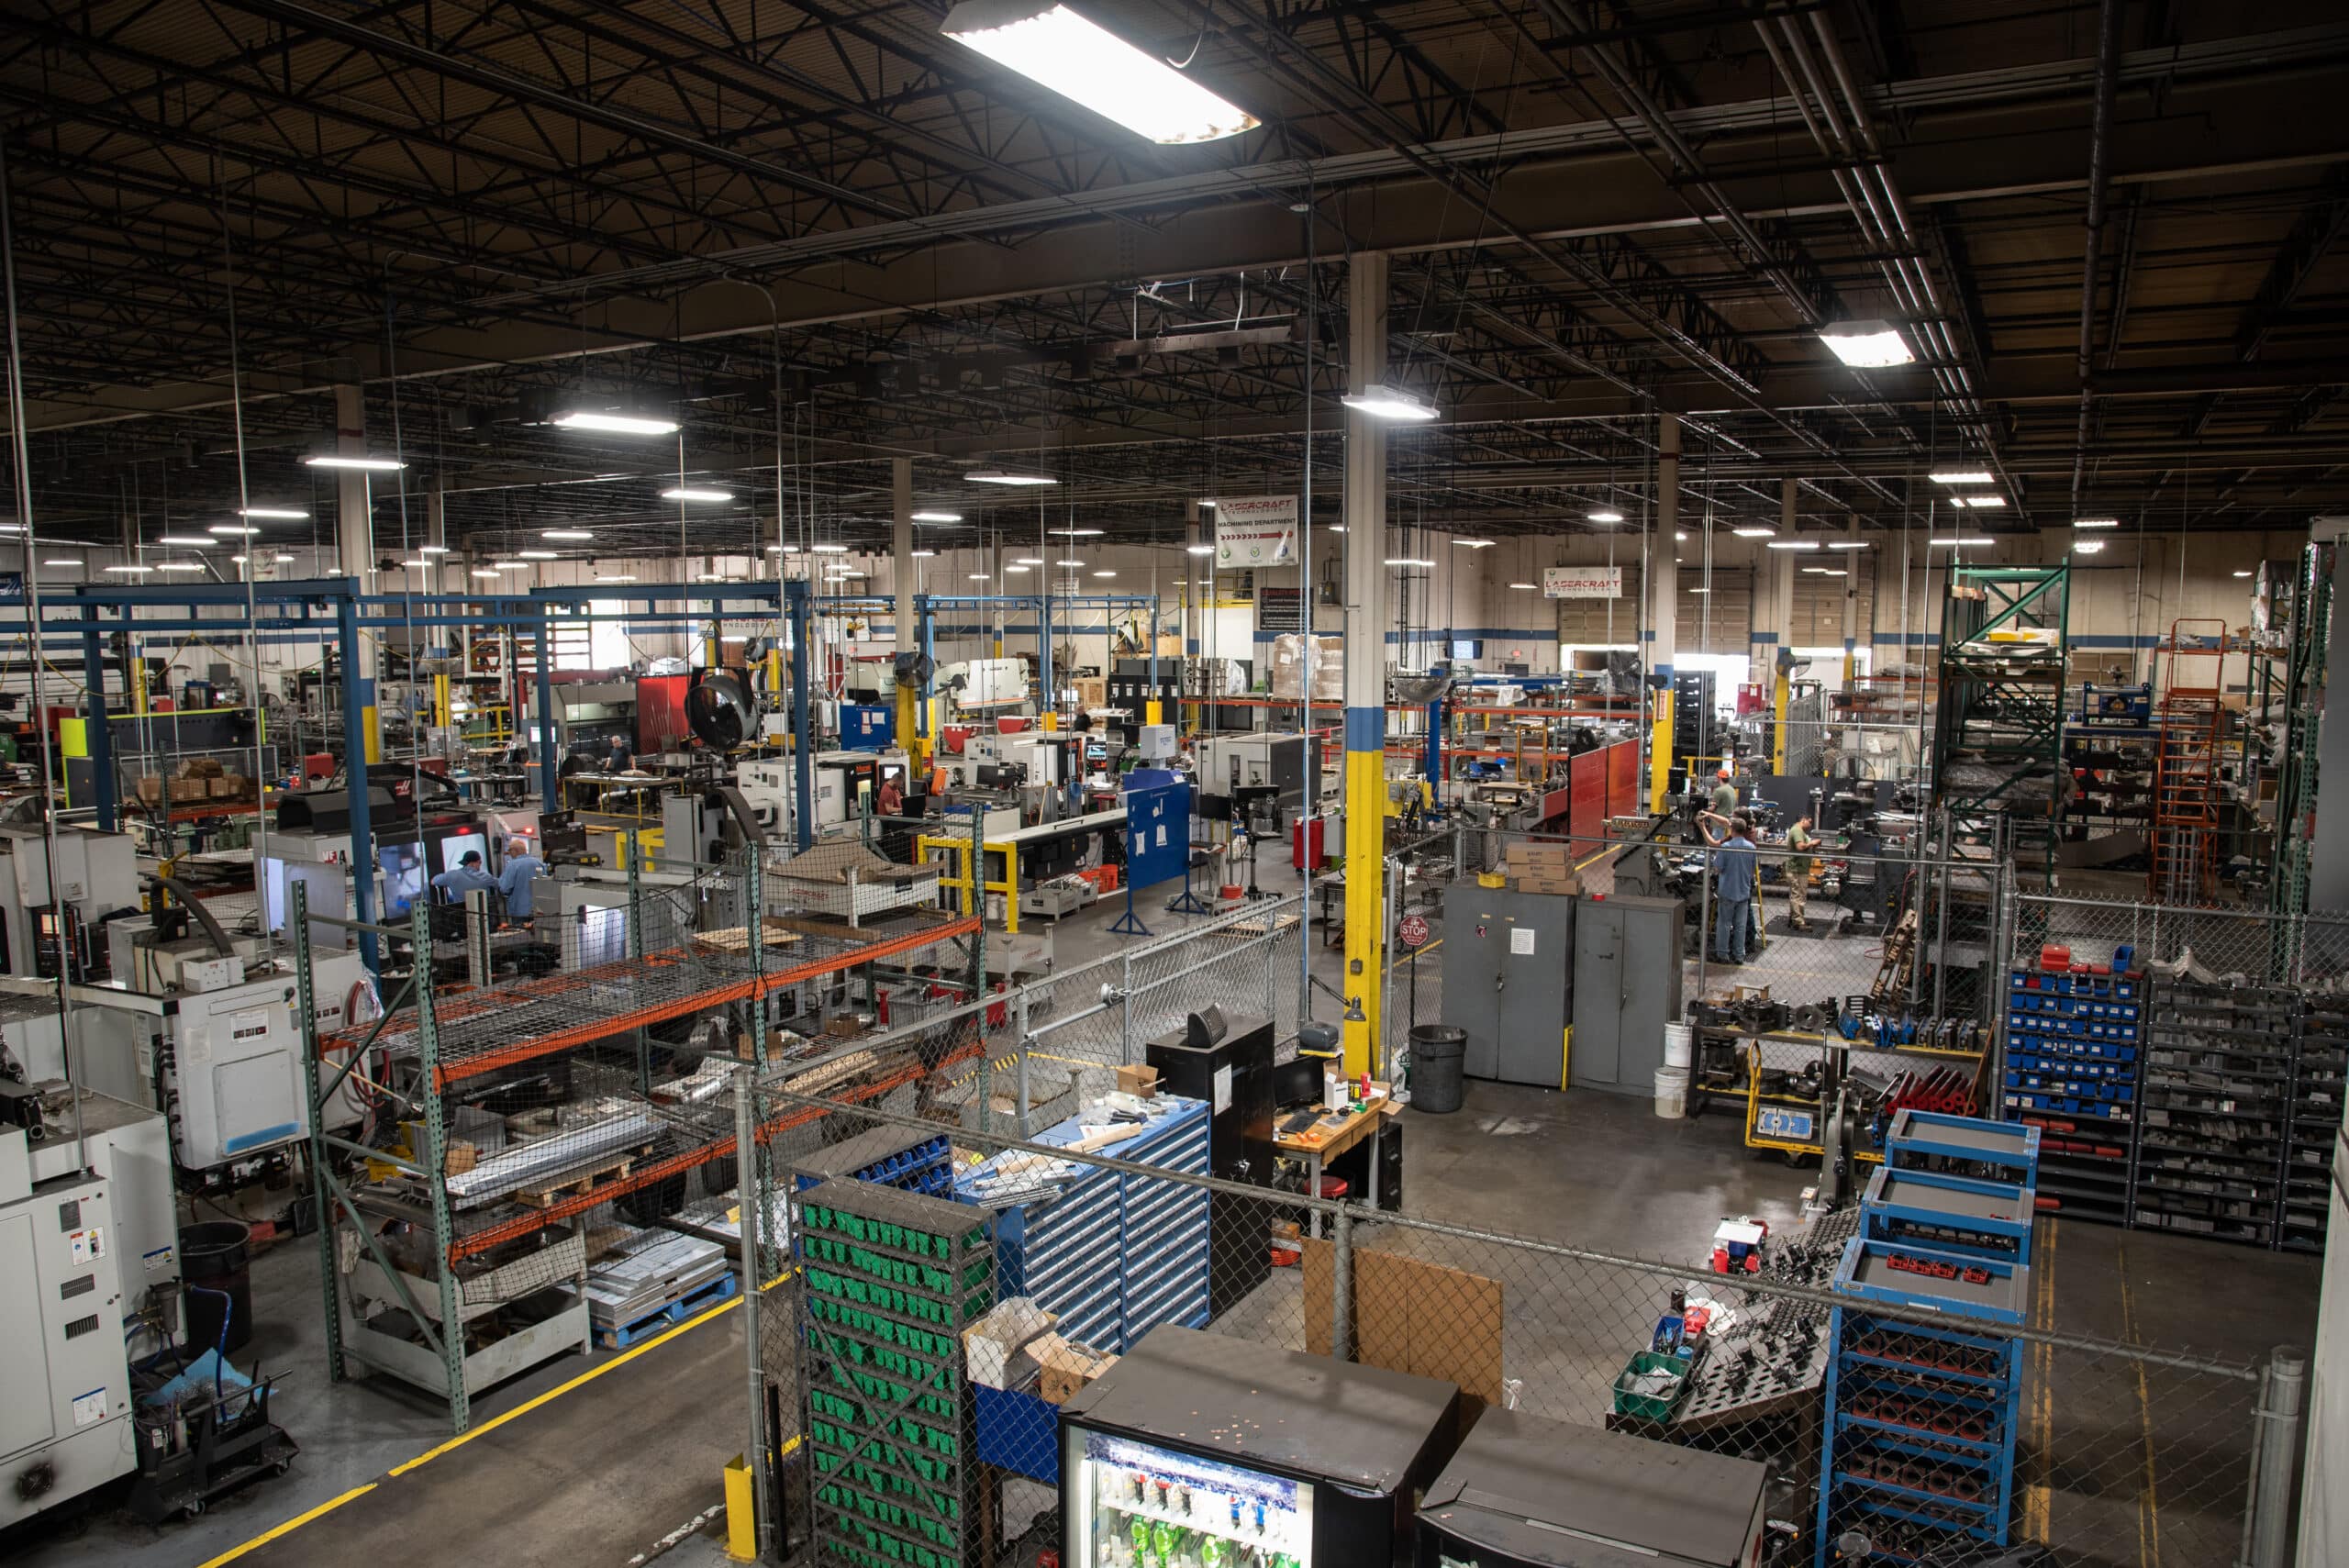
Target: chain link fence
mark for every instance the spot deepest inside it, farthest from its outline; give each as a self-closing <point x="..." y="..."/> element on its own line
<point x="902" y="1416"/>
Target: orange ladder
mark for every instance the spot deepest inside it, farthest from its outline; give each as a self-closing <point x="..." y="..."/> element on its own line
<point x="2188" y="791"/>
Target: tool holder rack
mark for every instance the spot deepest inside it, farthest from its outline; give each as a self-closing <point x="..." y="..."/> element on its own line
<point x="2074" y="1050"/>
<point x="891" y="1279"/>
<point x="1921" y="1416"/>
<point x="1998" y="1150"/>
<point x="2216" y="1111"/>
<point x="1949" y="1214"/>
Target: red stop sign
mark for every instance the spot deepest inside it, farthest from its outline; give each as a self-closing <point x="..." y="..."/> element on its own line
<point x="1413" y="930"/>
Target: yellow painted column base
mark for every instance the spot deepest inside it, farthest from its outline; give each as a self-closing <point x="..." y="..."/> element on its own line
<point x="1660" y="750"/>
<point x="742" y="1515"/>
<point x="1154" y="712"/>
<point x="1779" y="692"/>
<point x="1366" y="907"/>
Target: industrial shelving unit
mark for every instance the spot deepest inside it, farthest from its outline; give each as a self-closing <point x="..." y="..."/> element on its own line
<point x="2191" y="721"/>
<point x="2215" y="1112"/>
<point x="2073" y="1056"/>
<point x="1998" y="718"/>
<point x="891" y="1279"/>
<point x="2319" y="1074"/>
<point x="2308" y="647"/>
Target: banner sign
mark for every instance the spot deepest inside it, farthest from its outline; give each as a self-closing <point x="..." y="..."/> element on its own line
<point x="1254" y="532"/>
<point x="1582" y="582"/>
<point x="1280" y="609"/>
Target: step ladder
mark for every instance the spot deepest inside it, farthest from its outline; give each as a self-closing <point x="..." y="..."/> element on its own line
<point x="2188" y="793"/>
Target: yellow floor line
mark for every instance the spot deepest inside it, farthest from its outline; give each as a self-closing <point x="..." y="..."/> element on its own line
<point x="2038" y="1504"/>
<point x="289" y="1527"/>
<point x="590" y="1375"/>
<point x="2149" y="1506"/>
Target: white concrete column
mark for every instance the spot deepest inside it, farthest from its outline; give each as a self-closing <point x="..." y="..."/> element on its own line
<point x="1662" y="589"/>
<point x="1365" y="667"/>
<point x="1852" y="569"/>
<point x="354" y="533"/>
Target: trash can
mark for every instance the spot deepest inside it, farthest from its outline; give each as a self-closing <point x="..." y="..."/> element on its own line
<point x="216" y="1262"/>
<point x="1438" y="1053"/>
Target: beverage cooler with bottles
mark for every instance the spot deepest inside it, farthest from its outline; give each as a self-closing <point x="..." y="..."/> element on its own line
<point x="1194" y="1450"/>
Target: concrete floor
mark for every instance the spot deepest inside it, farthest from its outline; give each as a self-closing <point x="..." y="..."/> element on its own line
<point x="600" y="1473"/>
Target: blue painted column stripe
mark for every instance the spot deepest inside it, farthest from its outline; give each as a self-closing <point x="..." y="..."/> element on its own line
<point x="1365" y="730"/>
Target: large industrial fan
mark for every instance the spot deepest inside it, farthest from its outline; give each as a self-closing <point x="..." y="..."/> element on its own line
<point x="722" y="711"/>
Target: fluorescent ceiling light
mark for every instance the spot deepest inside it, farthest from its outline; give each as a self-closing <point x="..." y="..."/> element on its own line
<point x="131" y="571"/>
<point x="1700" y="589"/>
<point x="1962" y="476"/>
<point x="509" y="566"/>
<point x="713" y="577"/>
<point x="1337" y="528"/>
<point x="695" y="492"/>
<point x="1979" y="503"/>
<point x="1382" y="402"/>
<point x="1075" y="57"/>
<point x="2096" y="522"/>
<point x="938" y="517"/>
<point x="1792" y="544"/>
<point x="1015" y="571"/>
<point x="1474" y="543"/>
<point x="432" y="550"/>
<point x="281" y="559"/>
<point x="560" y="533"/>
<point x="842" y="574"/>
<point x="734" y="637"/>
<point x="367" y="464"/>
<point x="1068" y="563"/>
<point x="179" y="566"/>
<point x="194" y="541"/>
<point x="2100" y="547"/>
<point x="1029" y="559"/>
<point x="1605" y="517"/>
<point x="536" y="555"/>
<point x="1755" y="533"/>
<point x="418" y="562"/>
<point x="1409" y="561"/>
<point x="1206" y="505"/>
<point x="1866" y="345"/>
<point x="829" y="549"/>
<point x="2095" y="547"/>
<point x="483" y="571"/>
<point x="1525" y="585"/>
<point x="925" y="555"/>
<point x="274" y="514"/>
<point x="1199" y="549"/>
<point x="975" y="576"/>
<point x="1832" y="571"/>
<point x="1076" y="533"/>
<point x="1104" y="573"/>
<point x="613" y="424"/>
<point x="1969" y="540"/>
<point x="1847" y="544"/>
<point x="63" y="560"/>
<point x="615" y="577"/>
<point x="1007" y="476"/>
<point x="231" y="530"/>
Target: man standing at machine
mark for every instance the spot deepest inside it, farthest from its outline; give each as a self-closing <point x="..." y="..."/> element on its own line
<point x="466" y="876"/>
<point x="1724" y="795"/>
<point x="620" y="758"/>
<point x="1800" y="839"/>
<point x="1733" y="885"/>
<point x="514" y="879"/>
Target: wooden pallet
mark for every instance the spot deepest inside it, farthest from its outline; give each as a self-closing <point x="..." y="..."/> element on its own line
<point x="737" y="938"/>
<point x="1258" y="927"/>
<point x="580" y="1179"/>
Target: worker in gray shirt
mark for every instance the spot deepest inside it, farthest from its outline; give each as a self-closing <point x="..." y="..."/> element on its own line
<point x="1725" y="795"/>
<point x="466" y="876"/>
<point x="1733" y="885"/>
<point x="521" y="869"/>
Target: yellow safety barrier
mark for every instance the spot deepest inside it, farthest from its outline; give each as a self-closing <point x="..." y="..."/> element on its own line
<point x="1009" y="886"/>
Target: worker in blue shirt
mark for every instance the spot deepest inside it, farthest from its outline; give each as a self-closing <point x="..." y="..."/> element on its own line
<point x="521" y="868"/>
<point x="466" y="876"/>
<point x="1732" y="883"/>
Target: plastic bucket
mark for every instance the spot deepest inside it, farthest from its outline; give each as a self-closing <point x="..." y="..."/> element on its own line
<point x="1438" y="1053"/>
<point x="1672" y="1092"/>
<point x="216" y="1261"/>
<point x="1679" y="1042"/>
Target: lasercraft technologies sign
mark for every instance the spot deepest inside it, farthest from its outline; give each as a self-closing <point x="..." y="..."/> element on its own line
<point x="1582" y="582"/>
<point x="1254" y="532"/>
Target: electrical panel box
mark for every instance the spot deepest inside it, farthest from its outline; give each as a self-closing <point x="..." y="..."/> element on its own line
<point x="232" y="1057"/>
<point x="1509" y="980"/>
<point x="60" y="1346"/>
<point x="1155" y="742"/>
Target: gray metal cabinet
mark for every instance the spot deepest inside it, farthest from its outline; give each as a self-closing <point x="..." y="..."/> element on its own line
<point x="1626" y="988"/>
<point x="1509" y="980"/>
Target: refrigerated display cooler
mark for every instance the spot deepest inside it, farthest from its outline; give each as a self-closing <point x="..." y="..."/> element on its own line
<point x="1194" y="1450"/>
<point x="1528" y="1493"/>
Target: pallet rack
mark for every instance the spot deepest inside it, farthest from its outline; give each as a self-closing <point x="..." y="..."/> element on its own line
<point x="891" y="1279"/>
<point x="2306" y="657"/>
<point x="1918" y="1448"/>
<point x="2215" y="1111"/>
<point x="2073" y="1044"/>
<point x="2005" y="648"/>
<point x="2320" y="1072"/>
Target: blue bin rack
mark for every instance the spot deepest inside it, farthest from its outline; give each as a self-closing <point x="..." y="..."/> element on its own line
<point x="886" y="1156"/>
<point x="1115" y="1255"/>
<point x="1918" y="1448"/>
<point x="1949" y="1214"/>
<point x="2074" y="1067"/>
<point x="1917" y="1139"/>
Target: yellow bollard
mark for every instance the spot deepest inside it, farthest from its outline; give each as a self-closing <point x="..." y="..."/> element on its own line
<point x="741" y="1512"/>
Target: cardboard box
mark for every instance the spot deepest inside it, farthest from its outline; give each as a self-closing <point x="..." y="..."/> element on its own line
<point x="1065" y="1367"/>
<point x="461" y="1157"/>
<point x="1139" y="1081"/>
<point x="1565" y="886"/>
<point x="995" y="1344"/>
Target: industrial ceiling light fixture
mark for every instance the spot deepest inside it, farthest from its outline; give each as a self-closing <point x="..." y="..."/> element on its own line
<point x="938" y="517"/>
<point x="2095" y="547"/>
<point x="696" y="492"/>
<point x="1381" y="401"/>
<point x="1978" y="502"/>
<point x="829" y="549"/>
<point x="1605" y="515"/>
<point x="432" y="550"/>
<point x="975" y="576"/>
<point x="925" y="555"/>
<point x="63" y="560"/>
<point x="2096" y="522"/>
<point x="131" y="571"/>
<point x="2100" y="547"/>
<point x="1082" y="61"/>
<point x="1199" y="549"/>
<point x="179" y="566"/>
<point x="484" y="572"/>
<point x="510" y="565"/>
<point x="1870" y="344"/>
<point x="230" y="530"/>
<point x="1792" y="544"/>
<point x="1968" y="541"/>
<point x="1474" y="543"/>
<point x="1105" y="572"/>
<point x="615" y="577"/>
<point x="537" y="555"/>
<point x="1068" y="563"/>
<point x="1007" y="476"/>
<point x="1522" y="587"/>
<point x="192" y="541"/>
<point x="561" y="534"/>
<point x="1756" y="532"/>
<point x="606" y="422"/>
<point x="274" y="514"/>
<point x="1847" y="544"/>
<point x="1025" y="559"/>
<point x="366" y="464"/>
<point x="1407" y="561"/>
<point x="281" y="559"/>
<point x="1961" y="476"/>
<point x="1076" y="533"/>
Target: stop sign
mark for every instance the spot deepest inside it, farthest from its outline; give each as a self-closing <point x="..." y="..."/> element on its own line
<point x="1413" y="930"/>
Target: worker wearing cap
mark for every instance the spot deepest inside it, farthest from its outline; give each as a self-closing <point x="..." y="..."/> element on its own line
<point x="521" y="869"/>
<point x="1800" y="841"/>
<point x="466" y="876"/>
<point x="1725" y="795"/>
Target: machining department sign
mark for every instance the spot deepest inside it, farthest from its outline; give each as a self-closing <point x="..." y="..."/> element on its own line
<point x="1254" y="532"/>
<point x="1582" y="582"/>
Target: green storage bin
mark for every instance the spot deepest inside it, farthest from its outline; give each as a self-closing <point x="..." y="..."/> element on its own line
<point x="1646" y="1406"/>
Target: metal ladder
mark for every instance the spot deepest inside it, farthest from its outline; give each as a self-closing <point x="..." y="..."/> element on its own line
<point x="2188" y="791"/>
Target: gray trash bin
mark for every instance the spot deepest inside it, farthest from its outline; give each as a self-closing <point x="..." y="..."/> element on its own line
<point x="1436" y="1053"/>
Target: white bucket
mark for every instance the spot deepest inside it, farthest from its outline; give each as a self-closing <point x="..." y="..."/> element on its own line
<point x="1679" y="1041"/>
<point x="1672" y="1092"/>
